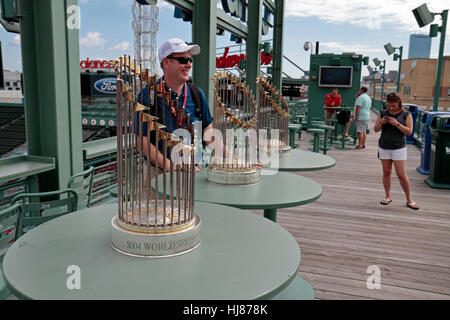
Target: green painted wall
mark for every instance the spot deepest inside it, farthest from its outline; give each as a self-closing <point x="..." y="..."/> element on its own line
<point x="316" y="94"/>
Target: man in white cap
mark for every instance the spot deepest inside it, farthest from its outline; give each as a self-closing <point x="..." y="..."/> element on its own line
<point x="175" y="58"/>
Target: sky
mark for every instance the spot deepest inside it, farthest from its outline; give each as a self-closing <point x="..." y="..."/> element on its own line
<point x="358" y="26"/>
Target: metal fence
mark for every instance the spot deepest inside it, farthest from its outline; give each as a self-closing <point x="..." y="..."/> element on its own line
<point x="105" y="179"/>
<point x="9" y="190"/>
<point x="297" y="110"/>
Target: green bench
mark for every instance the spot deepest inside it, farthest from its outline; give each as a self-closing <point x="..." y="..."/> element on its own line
<point x="293" y="128"/>
<point x="326" y="128"/>
<point x="316" y="142"/>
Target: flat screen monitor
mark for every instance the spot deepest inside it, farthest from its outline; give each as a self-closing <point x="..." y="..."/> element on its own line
<point x="340" y="76"/>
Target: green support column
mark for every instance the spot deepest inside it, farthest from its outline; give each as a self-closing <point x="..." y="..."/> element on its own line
<point x="277" y="52"/>
<point x="253" y="41"/>
<point x="51" y="75"/>
<point x="204" y="34"/>
<point x="399" y="68"/>
<point x="437" y="86"/>
<point x="382" y="80"/>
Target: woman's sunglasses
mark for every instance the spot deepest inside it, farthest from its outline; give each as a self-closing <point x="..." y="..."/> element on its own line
<point x="181" y="60"/>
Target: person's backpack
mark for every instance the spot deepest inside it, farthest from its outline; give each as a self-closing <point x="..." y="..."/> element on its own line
<point x="197" y="100"/>
<point x="343" y="117"/>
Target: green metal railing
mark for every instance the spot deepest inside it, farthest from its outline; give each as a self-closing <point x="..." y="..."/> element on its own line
<point x="105" y="178"/>
<point x="9" y="190"/>
<point x="378" y="105"/>
<point x="297" y="110"/>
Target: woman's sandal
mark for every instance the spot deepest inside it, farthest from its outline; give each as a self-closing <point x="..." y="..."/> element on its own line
<point x="385" y="201"/>
<point x="412" y="205"/>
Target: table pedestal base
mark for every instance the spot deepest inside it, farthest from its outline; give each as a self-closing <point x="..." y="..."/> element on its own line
<point x="271" y="214"/>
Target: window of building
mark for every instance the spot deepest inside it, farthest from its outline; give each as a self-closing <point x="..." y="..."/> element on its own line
<point x="7" y="84"/>
<point x="10" y="88"/>
<point x="17" y="88"/>
<point x="448" y="92"/>
<point x="390" y="89"/>
<point x="407" y="90"/>
<point x="15" y="84"/>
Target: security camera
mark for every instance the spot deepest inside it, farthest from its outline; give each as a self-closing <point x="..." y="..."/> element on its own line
<point x="306" y="46"/>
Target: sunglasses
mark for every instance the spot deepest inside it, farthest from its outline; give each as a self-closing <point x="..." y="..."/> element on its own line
<point x="181" y="60"/>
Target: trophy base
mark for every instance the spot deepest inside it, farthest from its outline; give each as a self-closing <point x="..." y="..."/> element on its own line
<point x="283" y="152"/>
<point x="233" y="176"/>
<point x="157" y="242"/>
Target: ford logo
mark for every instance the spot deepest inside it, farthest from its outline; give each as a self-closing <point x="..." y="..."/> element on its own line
<point x="106" y="85"/>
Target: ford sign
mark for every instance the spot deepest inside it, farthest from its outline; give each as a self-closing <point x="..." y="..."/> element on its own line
<point x="106" y="85"/>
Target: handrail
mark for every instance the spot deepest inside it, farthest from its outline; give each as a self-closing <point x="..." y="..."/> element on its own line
<point x="97" y="148"/>
<point x="23" y="166"/>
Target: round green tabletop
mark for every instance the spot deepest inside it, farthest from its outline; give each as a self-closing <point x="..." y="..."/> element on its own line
<point x="301" y="160"/>
<point x="241" y="256"/>
<point x="278" y="190"/>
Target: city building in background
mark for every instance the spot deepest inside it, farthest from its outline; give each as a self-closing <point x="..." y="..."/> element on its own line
<point x="12" y="92"/>
<point x="419" y="46"/>
<point x="417" y="81"/>
<point x="390" y="83"/>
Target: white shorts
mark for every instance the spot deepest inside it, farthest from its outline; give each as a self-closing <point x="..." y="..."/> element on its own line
<point x="394" y="154"/>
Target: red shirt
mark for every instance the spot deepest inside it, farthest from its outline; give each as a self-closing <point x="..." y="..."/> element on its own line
<point x="331" y="101"/>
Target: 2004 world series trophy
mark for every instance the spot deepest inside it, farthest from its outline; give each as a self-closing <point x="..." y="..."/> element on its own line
<point x="148" y="225"/>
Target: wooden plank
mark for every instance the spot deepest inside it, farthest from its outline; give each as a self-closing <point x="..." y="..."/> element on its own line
<point x="375" y="220"/>
<point x="324" y="295"/>
<point x="393" y="278"/>
<point x="436" y="275"/>
<point x="355" y="287"/>
<point x="360" y="229"/>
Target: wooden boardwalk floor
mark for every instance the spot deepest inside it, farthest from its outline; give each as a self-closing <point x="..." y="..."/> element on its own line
<point x="347" y="230"/>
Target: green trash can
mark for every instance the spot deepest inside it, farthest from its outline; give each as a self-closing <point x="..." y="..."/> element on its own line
<point x="440" y="153"/>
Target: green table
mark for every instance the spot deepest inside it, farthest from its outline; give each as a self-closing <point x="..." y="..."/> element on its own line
<point x="301" y="160"/>
<point x="241" y="256"/>
<point x="280" y="190"/>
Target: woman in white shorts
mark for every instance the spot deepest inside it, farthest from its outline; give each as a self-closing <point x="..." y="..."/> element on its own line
<point x="395" y="123"/>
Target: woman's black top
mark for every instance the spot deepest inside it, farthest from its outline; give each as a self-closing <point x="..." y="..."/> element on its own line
<point x="391" y="136"/>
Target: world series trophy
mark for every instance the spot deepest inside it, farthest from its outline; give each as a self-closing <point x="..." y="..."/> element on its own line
<point x="273" y="113"/>
<point x="147" y="225"/>
<point x="235" y="121"/>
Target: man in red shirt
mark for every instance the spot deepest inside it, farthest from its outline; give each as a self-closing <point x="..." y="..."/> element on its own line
<point x="332" y="100"/>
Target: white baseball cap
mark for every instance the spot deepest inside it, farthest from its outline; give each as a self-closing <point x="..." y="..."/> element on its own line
<point x="176" y="45"/>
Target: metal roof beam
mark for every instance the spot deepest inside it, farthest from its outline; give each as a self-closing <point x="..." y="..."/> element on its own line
<point x="269" y="4"/>
<point x="225" y="21"/>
